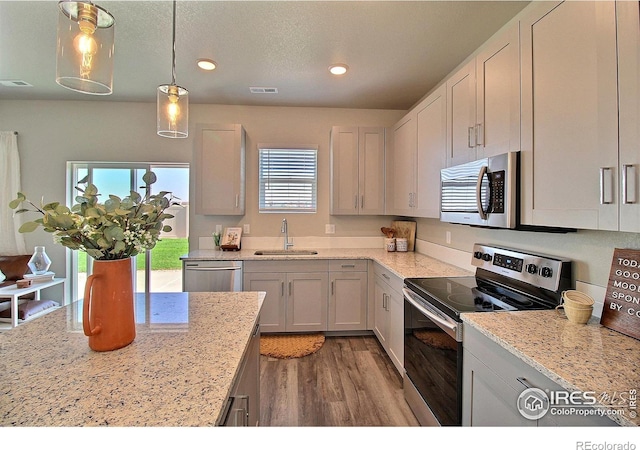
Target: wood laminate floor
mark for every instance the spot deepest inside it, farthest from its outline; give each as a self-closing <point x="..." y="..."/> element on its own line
<point x="350" y="381"/>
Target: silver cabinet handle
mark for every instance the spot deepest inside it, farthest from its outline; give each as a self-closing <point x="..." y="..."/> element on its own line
<point x="282" y="289"/>
<point x="387" y="277"/>
<point x="384" y="302"/>
<point x="628" y="185"/>
<point x="362" y="201"/>
<point x="606" y="191"/>
<point x="346" y="266"/>
<point x="523" y="381"/>
<point x="289" y="288"/>
<point x="237" y="200"/>
<point x="355" y="201"/>
<point x="332" y="287"/>
<point x="479" y="134"/>
<point x="471" y="137"/>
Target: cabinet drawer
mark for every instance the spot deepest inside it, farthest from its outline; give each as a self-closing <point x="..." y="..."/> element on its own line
<point x="394" y="281"/>
<point x="287" y="266"/>
<point x="348" y="265"/>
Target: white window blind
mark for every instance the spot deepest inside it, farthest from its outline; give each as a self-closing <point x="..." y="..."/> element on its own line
<point x="288" y="179"/>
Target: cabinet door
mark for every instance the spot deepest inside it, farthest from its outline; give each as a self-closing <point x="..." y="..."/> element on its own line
<point x="344" y="170"/>
<point x="396" y="329"/>
<point x="461" y="115"/>
<point x="220" y="169"/>
<point x="569" y="115"/>
<point x="487" y="399"/>
<point x="431" y="121"/>
<point x="628" y="75"/>
<point x="371" y="170"/>
<point x="381" y="314"/>
<point x="348" y="301"/>
<point x="307" y="298"/>
<point x="272" y="315"/>
<point x="401" y="168"/>
<point x="498" y="95"/>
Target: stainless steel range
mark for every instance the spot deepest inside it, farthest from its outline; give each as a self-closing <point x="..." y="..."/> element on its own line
<point x="505" y="280"/>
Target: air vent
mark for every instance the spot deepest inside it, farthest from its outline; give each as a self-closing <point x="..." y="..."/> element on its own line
<point x="14" y="83"/>
<point x="263" y="90"/>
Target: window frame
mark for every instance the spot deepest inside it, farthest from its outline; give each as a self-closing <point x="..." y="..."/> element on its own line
<point x="314" y="183"/>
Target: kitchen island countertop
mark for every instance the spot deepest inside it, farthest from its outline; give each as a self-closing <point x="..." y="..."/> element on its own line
<point x="403" y="264"/>
<point x="576" y="357"/>
<point x="177" y="372"/>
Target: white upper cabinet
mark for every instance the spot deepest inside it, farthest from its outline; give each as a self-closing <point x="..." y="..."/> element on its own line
<point x="483" y="101"/>
<point x="401" y="167"/>
<point x="461" y="115"/>
<point x="570" y="115"/>
<point x="431" y="118"/>
<point x="415" y="158"/>
<point x="628" y="17"/>
<point x="357" y="170"/>
<point x="220" y="169"/>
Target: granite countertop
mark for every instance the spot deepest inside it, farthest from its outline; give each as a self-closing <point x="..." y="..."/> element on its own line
<point x="577" y="357"/>
<point x="403" y="264"/>
<point x="177" y="372"/>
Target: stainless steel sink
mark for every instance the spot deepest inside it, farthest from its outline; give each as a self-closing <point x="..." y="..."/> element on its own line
<point x="285" y="252"/>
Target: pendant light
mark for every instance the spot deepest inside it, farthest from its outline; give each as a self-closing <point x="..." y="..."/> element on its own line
<point x="84" y="58"/>
<point x="173" y="100"/>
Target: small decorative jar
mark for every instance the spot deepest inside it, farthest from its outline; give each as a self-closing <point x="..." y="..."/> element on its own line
<point x="390" y="244"/>
<point x="39" y="262"/>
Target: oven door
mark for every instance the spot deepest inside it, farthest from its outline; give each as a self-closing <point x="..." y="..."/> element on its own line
<point x="433" y="363"/>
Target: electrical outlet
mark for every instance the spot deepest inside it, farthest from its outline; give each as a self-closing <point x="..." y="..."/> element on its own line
<point x="247" y="228"/>
<point x="218" y="228"/>
<point x="330" y="228"/>
<point x="448" y="237"/>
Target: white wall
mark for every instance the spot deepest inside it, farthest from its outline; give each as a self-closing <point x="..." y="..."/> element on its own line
<point x="54" y="132"/>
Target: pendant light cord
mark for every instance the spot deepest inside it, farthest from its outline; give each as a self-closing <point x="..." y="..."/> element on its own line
<point x="173" y="61"/>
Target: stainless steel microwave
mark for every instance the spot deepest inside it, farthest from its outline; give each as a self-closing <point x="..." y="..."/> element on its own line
<point x="482" y="192"/>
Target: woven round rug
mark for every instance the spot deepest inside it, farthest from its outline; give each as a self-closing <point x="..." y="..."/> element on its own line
<point x="285" y="346"/>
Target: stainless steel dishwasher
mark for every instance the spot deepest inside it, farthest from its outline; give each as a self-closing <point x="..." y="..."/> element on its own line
<point x="211" y="276"/>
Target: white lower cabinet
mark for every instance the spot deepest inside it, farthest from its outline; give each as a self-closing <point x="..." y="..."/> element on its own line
<point x="492" y="381"/>
<point x="296" y="294"/>
<point x="388" y="325"/>
<point x="347" y="295"/>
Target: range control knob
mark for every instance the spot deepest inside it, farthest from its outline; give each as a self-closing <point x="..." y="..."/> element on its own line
<point x="477" y="255"/>
<point x="546" y="272"/>
<point x="486" y="257"/>
<point x="532" y="268"/>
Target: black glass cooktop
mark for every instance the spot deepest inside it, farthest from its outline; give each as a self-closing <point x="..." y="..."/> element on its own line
<point x="470" y="294"/>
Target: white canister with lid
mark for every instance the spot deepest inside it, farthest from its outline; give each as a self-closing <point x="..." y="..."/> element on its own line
<point x="401" y="244"/>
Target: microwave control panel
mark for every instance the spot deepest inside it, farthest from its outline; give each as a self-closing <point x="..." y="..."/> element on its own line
<point x="497" y="191"/>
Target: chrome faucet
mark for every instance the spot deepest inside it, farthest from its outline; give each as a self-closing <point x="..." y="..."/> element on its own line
<point x="285" y="229"/>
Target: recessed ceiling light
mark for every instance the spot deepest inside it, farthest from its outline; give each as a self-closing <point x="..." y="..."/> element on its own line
<point x="206" y="64"/>
<point x="338" y="69"/>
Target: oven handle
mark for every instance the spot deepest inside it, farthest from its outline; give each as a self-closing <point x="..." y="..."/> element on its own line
<point x="481" y="175"/>
<point x="450" y="327"/>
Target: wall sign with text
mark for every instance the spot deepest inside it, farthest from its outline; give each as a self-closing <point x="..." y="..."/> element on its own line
<point x="621" y="310"/>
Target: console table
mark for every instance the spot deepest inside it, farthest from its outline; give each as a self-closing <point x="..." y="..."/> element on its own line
<point x="13" y="293"/>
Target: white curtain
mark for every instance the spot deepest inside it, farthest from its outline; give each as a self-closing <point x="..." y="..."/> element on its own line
<point x="11" y="242"/>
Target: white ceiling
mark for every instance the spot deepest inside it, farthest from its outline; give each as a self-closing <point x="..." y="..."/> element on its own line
<point x="397" y="51"/>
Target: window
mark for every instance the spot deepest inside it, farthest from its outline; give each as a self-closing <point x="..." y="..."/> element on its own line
<point x="288" y="179"/>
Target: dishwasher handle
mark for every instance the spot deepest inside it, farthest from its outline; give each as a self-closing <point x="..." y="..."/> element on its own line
<point x="211" y="269"/>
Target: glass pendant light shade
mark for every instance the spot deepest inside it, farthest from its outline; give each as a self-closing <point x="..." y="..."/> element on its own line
<point x="173" y="100"/>
<point x="173" y="111"/>
<point x="84" y="60"/>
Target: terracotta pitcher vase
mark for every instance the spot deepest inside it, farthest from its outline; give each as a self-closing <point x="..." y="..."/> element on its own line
<point x="107" y="315"/>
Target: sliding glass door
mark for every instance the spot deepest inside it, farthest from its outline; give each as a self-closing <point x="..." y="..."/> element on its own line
<point x="157" y="270"/>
